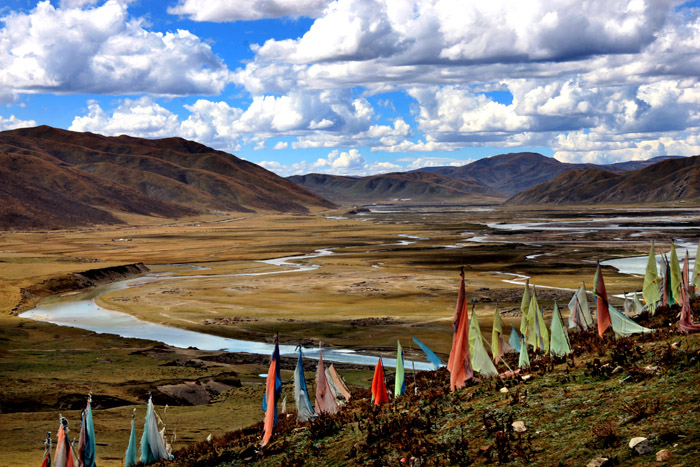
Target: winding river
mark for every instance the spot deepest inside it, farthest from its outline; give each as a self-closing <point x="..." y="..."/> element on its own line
<point x="81" y="311"/>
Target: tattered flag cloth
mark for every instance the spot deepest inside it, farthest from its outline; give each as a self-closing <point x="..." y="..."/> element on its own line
<point x="675" y="267"/>
<point x="537" y="335"/>
<point x="667" y="298"/>
<point x="325" y="401"/>
<point x="273" y="390"/>
<point x="130" y="457"/>
<point x="638" y="307"/>
<point x="86" y="442"/>
<point x="152" y="444"/>
<point x="305" y="410"/>
<point x="64" y="451"/>
<point x="514" y="340"/>
<point x="650" y="289"/>
<point x="399" y="380"/>
<point x="559" y="345"/>
<point x="524" y="308"/>
<point x="685" y="323"/>
<point x="338" y="382"/>
<point x="499" y="346"/>
<point x="524" y="361"/>
<point x="459" y="364"/>
<point x="379" y="395"/>
<point x="696" y="274"/>
<point x="481" y="361"/>
<point x="685" y="276"/>
<point x="601" y="302"/>
<point x="623" y="326"/>
<point x="429" y="354"/>
<point x="47" y="451"/>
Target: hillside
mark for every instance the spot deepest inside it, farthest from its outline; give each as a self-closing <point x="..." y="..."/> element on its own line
<point x="414" y="186"/>
<point x="52" y="178"/>
<point x="572" y="410"/>
<point x="515" y="172"/>
<point x="668" y="180"/>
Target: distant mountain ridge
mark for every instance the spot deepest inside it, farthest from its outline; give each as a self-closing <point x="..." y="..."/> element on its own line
<point x="53" y="178"/>
<point x="488" y="180"/>
<point x="514" y="172"/>
<point x="668" y="180"/>
<point x="395" y="186"/>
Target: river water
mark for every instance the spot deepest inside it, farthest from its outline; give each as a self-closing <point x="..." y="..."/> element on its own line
<point x="81" y="311"/>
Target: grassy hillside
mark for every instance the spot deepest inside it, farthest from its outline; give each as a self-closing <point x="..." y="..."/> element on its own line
<point x="573" y="410"/>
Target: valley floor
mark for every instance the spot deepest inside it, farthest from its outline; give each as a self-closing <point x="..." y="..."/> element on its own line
<point x="393" y="273"/>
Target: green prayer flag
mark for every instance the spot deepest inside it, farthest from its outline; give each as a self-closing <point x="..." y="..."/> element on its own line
<point x="650" y="289"/>
<point x="559" y="345"/>
<point x="524" y="361"/>
<point x="496" y="336"/>
<point x="524" y="306"/>
<point x="675" y="266"/>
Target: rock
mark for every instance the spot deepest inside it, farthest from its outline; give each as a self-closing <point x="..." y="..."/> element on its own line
<point x="504" y="390"/>
<point x="598" y="462"/>
<point x="663" y="456"/>
<point x="519" y="426"/>
<point x="640" y="445"/>
<point x="526" y="377"/>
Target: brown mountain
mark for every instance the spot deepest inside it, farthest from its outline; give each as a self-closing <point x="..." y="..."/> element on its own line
<point x="413" y="186"/>
<point x="515" y="172"/>
<point x="56" y="178"/>
<point x="668" y="180"/>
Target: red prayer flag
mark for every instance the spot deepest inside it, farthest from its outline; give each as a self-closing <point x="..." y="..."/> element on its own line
<point x="459" y="364"/>
<point x="602" y="303"/>
<point x="379" y="395"/>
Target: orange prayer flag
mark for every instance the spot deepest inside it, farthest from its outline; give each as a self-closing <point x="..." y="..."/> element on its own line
<point x="601" y="303"/>
<point x="459" y="364"/>
<point x="271" y="403"/>
<point x="379" y="394"/>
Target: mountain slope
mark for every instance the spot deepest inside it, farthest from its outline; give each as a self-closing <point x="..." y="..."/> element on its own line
<point x="168" y="177"/>
<point x="515" y="172"/>
<point x="416" y="186"/>
<point x="668" y="180"/>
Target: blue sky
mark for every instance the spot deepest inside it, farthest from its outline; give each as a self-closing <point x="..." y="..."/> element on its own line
<point x="362" y="86"/>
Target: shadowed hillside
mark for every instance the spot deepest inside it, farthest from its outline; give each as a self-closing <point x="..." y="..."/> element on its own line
<point x="668" y="180"/>
<point x="415" y="186"/>
<point x="57" y="178"/>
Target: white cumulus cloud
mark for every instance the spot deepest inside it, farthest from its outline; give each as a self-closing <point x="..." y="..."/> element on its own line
<point x="219" y="11"/>
<point x="102" y="50"/>
<point x="12" y="122"/>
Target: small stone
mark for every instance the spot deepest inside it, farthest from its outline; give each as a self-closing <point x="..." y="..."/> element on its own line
<point x="663" y="456"/>
<point x="640" y="445"/>
<point x="504" y="390"/>
<point x="526" y="377"/>
<point x="519" y="426"/>
<point x="598" y="462"/>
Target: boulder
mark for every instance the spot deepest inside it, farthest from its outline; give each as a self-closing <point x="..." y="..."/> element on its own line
<point x="663" y="456"/>
<point x="599" y="462"/>
<point x="640" y="445"/>
<point x="519" y="426"/>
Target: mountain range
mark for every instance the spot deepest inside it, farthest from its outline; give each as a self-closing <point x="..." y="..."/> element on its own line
<point x="52" y="178"/>
<point x="667" y="180"/>
<point x="488" y="180"/>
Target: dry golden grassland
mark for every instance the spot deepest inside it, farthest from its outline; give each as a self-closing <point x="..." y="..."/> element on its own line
<point x="373" y="273"/>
